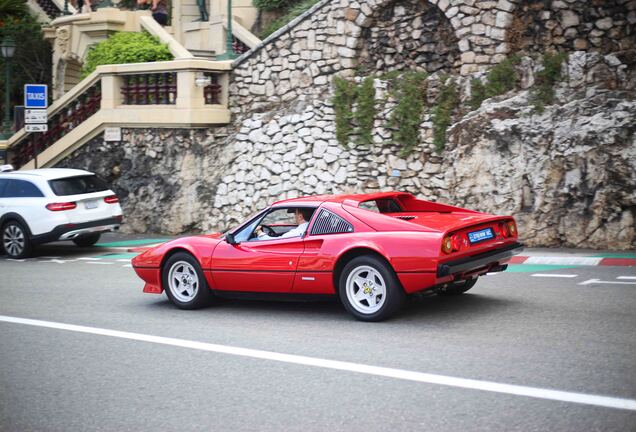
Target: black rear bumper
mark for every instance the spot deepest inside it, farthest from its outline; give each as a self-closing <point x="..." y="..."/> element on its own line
<point x="60" y="230"/>
<point x="475" y="262"/>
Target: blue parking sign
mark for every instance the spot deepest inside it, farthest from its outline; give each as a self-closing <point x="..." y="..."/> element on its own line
<point x="35" y="96"/>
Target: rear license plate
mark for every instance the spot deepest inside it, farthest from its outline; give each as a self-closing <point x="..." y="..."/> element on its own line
<point x="90" y="204"/>
<point x="481" y="235"/>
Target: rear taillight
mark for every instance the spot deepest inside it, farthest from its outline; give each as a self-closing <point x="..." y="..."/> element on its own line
<point x="512" y="228"/>
<point x="61" y="206"/>
<point x="456" y="242"/>
<point x="112" y="199"/>
<point x="508" y="229"/>
<point x="447" y="245"/>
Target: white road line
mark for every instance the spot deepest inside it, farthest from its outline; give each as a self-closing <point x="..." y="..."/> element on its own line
<point x="564" y="260"/>
<point x="123" y="260"/>
<point x="627" y="277"/>
<point x="127" y="265"/>
<point x="99" y="262"/>
<point x="553" y="275"/>
<point x="511" y="389"/>
<point x="598" y="281"/>
<point x="88" y="259"/>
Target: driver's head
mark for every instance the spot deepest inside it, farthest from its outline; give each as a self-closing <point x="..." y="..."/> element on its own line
<point x="303" y="215"/>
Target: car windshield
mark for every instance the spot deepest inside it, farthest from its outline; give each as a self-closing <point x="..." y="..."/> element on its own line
<point x="78" y="185"/>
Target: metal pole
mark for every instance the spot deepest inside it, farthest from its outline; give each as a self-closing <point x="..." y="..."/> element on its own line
<point x="229" y="50"/>
<point x="7" y="97"/>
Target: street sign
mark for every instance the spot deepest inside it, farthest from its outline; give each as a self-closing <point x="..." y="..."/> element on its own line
<point x="112" y="134"/>
<point x="35" y="116"/>
<point x="35" y="96"/>
<point x="36" y="127"/>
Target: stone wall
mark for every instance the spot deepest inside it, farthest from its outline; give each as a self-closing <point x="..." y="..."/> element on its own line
<point x="166" y="179"/>
<point x="573" y="25"/>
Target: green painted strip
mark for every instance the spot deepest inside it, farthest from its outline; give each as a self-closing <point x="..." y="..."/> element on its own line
<point x="117" y="256"/>
<point x="132" y="243"/>
<point x="618" y="255"/>
<point x="531" y="268"/>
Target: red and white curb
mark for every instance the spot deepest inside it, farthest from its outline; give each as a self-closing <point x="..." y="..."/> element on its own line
<point x="573" y="260"/>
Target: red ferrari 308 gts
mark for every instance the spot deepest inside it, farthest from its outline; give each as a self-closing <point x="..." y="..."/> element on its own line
<point x="370" y="250"/>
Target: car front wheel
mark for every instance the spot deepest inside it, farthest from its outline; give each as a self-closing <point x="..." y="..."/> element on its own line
<point x="184" y="282"/>
<point x="369" y="289"/>
<point x="15" y="240"/>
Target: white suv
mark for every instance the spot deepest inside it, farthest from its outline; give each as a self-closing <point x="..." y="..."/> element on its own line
<point x="46" y="205"/>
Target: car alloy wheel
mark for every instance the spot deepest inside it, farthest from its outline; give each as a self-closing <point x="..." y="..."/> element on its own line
<point x="183" y="281"/>
<point x="369" y="288"/>
<point x="366" y="289"/>
<point x="15" y="241"/>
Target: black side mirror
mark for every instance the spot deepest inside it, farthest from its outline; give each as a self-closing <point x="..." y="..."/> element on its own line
<point x="229" y="237"/>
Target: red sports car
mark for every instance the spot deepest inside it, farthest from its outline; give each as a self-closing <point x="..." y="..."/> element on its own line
<point x="369" y="250"/>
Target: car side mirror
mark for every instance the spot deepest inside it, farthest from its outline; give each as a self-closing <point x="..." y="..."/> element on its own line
<point x="229" y="237"/>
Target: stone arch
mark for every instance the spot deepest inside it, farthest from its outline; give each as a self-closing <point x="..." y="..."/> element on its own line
<point x="408" y="34"/>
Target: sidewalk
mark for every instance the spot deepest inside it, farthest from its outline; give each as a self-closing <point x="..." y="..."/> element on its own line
<point x="137" y="243"/>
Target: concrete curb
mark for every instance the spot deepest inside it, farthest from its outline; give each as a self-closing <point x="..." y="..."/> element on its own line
<point x="573" y="260"/>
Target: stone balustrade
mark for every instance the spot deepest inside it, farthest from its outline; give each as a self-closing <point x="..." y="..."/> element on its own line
<point x="183" y="93"/>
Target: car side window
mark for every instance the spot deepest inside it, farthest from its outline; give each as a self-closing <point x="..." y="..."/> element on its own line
<point x="329" y="223"/>
<point x="3" y="184"/>
<point x="22" y="189"/>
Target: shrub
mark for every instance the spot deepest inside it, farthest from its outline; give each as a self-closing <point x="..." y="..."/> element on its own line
<point x="447" y="101"/>
<point x="543" y="92"/>
<point x="406" y="117"/>
<point x="344" y="96"/>
<point x="365" y="111"/>
<point x="500" y="79"/>
<point x="295" y="9"/>
<point x="126" y="47"/>
<point x="269" y="5"/>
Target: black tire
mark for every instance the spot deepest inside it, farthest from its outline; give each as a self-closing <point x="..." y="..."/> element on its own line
<point x="393" y="292"/>
<point x="179" y="291"/>
<point x="15" y="240"/>
<point x="456" y="288"/>
<point x="87" y="240"/>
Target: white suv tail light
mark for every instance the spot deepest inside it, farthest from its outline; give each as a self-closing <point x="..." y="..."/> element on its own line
<point x="61" y="206"/>
<point x="112" y="199"/>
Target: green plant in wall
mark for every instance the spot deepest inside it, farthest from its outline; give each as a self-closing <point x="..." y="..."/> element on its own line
<point x="500" y="79"/>
<point x="542" y="93"/>
<point x="364" y="114"/>
<point x="409" y="90"/>
<point x="442" y="113"/>
<point x="126" y="47"/>
<point x="344" y="96"/>
<point x="291" y="8"/>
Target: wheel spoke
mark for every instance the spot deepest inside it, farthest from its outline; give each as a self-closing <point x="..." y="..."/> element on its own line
<point x="360" y="295"/>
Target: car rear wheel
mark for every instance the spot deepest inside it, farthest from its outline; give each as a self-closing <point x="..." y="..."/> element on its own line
<point x="369" y="289"/>
<point x="86" y="241"/>
<point x="15" y="240"/>
<point x="456" y="288"/>
<point x="185" y="283"/>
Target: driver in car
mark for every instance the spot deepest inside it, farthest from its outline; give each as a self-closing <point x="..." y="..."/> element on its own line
<point x="302" y="216"/>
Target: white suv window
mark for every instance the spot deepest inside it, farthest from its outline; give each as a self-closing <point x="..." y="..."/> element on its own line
<point x="21" y="189"/>
<point x="77" y="185"/>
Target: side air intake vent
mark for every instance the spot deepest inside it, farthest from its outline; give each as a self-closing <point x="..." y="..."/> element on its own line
<point x="404" y="217"/>
<point x="329" y="223"/>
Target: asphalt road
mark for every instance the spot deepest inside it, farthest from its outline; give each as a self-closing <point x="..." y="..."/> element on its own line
<point x="537" y="332"/>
